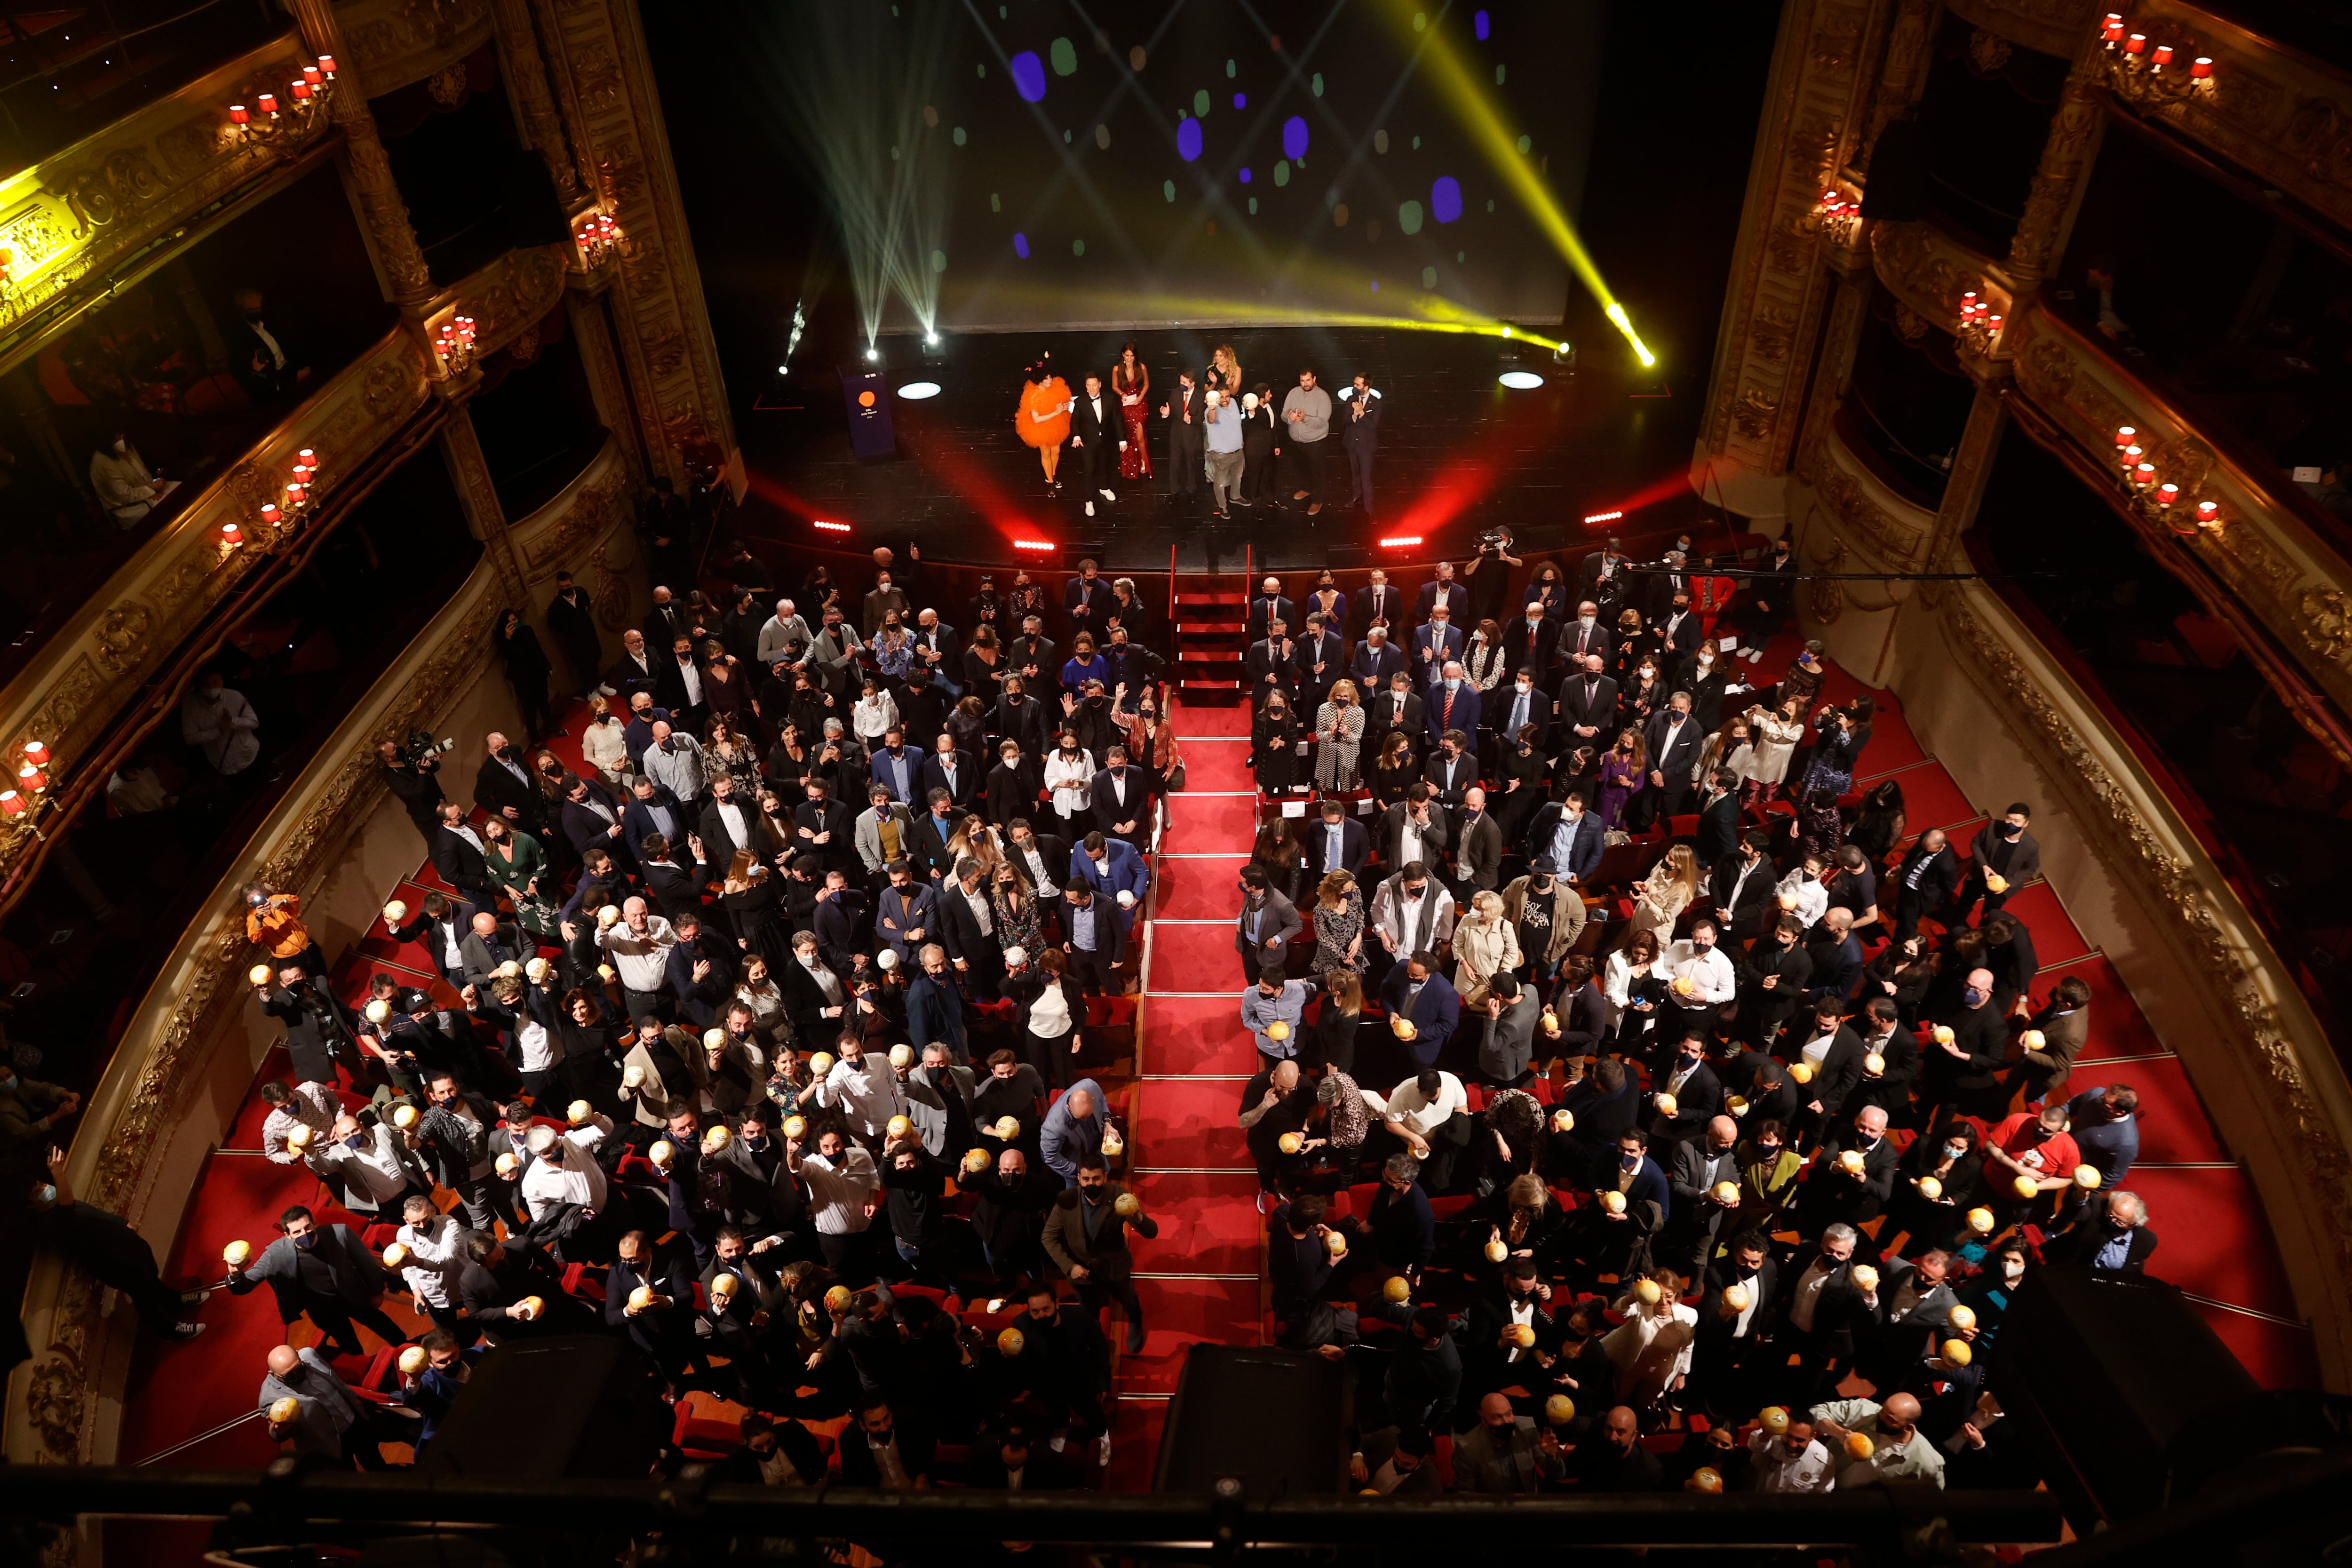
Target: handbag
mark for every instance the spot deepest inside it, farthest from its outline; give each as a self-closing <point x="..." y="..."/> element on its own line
<point x="1176" y="776"/>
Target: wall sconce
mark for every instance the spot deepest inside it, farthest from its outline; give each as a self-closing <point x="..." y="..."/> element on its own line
<point x="2150" y="73"/>
<point x="232" y="535"/>
<point x="1979" y="323"/>
<point x="598" y="238"/>
<point x="2158" y="503"/>
<point x="456" y="345"/>
<point x="31" y="779"/>
<point x="273" y="119"/>
<point x="1837" y="215"/>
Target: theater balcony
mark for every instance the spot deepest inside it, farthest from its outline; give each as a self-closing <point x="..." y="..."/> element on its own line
<point x="2172" y="698"/>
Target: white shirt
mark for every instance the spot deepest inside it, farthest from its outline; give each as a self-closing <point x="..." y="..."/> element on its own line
<point x="1710" y="972"/>
<point x="1778" y="1471"/>
<point x="1521" y="1313"/>
<point x="538" y="1046"/>
<point x="1813" y="897"/>
<point x="866" y="1093"/>
<point x="1406" y="1103"/>
<point x="568" y="1173"/>
<point x="643" y="962"/>
<point x="432" y="1257"/>
<point x="313" y="1106"/>
<point x="838" y="1197"/>
<point x="692" y="675"/>
<point x="980" y="910"/>
<point x="1040" y="873"/>
<point x="731" y="814"/>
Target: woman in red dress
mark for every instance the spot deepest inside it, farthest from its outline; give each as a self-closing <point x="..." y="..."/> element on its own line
<point x="1131" y="381"/>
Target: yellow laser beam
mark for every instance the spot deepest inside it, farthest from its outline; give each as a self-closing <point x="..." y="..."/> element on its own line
<point x="1198" y="310"/>
<point x="1454" y="81"/>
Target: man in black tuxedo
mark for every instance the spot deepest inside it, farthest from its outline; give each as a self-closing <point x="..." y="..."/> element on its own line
<point x="665" y="620"/>
<point x="1443" y="589"/>
<point x="2110" y="1236"/>
<point x="1924" y="880"/>
<point x="1897" y="1050"/>
<point x="503" y="786"/>
<point x="955" y="771"/>
<point x="637" y="671"/>
<point x="1379" y="605"/>
<point x="1729" y="1350"/>
<point x="592" y="820"/>
<point x="1743" y="888"/>
<point x="1398" y="708"/>
<point x="731" y="821"/>
<point x="1089" y="599"/>
<point x="1673" y="740"/>
<point x="1779" y="958"/>
<point x="1272" y="664"/>
<point x="1818" y="1311"/>
<point x="1588" y="707"/>
<point x="1841" y="1188"/>
<point x="1662" y="585"/>
<point x="1322" y="662"/>
<point x="1580" y="1004"/>
<point x="824" y="828"/>
<point x="1452" y="768"/>
<point x="1186" y="434"/>
<point x="1717" y="843"/>
<point x="1353" y="845"/>
<point x="928" y="852"/>
<point x="1602" y="578"/>
<point x="458" y="857"/>
<point x="1270" y="604"/>
<point x="1831" y="1048"/>
<point x="1098" y="431"/>
<point x="1532" y="642"/>
<point x="1122" y="799"/>
<point x="1376" y="658"/>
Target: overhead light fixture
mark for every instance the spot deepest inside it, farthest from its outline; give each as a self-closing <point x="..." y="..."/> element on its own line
<point x="1520" y="380"/>
<point x="1037" y="545"/>
<point x="1592" y="518"/>
<point x="930" y="339"/>
<point x="873" y="354"/>
<point x="915" y="391"/>
<point x="1400" y="540"/>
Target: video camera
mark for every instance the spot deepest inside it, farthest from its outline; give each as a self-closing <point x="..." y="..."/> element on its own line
<point x="420" y="748"/>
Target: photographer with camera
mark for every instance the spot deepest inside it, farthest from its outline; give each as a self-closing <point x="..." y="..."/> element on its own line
<point x="408" y="769"/>
<point x="273" y="922"/>
<point x="1488" y="576"/>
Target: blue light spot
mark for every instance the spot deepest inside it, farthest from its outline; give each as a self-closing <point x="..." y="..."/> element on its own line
<point x="1188" y="140"/>
<point x="1376" y="285"/>
<point x="1294" y="134"/>
<point x="1445" y="198"/>
<point x="1479" y="22"/>
<point x="1245" y="177"/>
<point x="1021" y="245"/>
<point x="1241" y="100"/>
<point x="1029" y="75"/>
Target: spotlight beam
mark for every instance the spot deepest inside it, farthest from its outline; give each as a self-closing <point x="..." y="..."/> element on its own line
<point x="1502" y="151"/>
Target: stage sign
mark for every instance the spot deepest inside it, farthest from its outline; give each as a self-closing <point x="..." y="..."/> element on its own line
<point x="868" y="401"/>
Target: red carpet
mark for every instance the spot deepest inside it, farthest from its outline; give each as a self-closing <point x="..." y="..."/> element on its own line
<point x="1212" y="822"/>
<point x="1198" y="890"/>
<point x="2118" y="1028"/>
<point x="1180" y="1313"/>
<point x="1201" y="1035"/>
<point x="1135" y="1443"/>
<point x="2279" y="1355"/>
<point x="2211" y="1239"/>
<point x="2173" y="1127"/>
<point x="1931" y="799"/>
<point x="2055" y="939"/>
<point x="1196" y="958"/>
<point x="1190" y="1122"/>
<point x="1208" y="1223"/>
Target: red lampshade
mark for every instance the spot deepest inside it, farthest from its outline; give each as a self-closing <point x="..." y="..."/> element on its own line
<point x="299" y="87"/>
<point x="2113" y="29"/>
<point x="32" y="778"/>
<point x="2137" y="44"/>
<point x="1993" y="321"/>
<point x="236" y="114"/>
<point x="268" y="103"/>
<point x="232" y="535"/>
<point x="2164" y="54"/>
<point x="2123" y="434"/>
<point x="268" y="514"/>
<point x="311" y="75"/>
<point x="2131" y="458"/>
<point x="2208" y="513"/>
<point x="327" y="64"/>
<point x="12" y="803"/>
<point x="2166" y="494"/>
<point x="2145" y="474"/>
<point x="36" y="752"/>
<point x="307" y="457"/>
<point x="2202" y="67"/>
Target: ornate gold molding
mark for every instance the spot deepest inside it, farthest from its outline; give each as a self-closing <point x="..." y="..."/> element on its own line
<point x="71" y="218"/>
<point x="2281" y="115"/>
<point x="589" y="506"/>
<point x="506" y="298"/>
<point x="602" y="81"/>
<point x="2053" y="26"/>
<point x="2145" y="842"/>
<point x="2056" y="191"/>
<point x="1928" y="271"/>
<point x="191" y="1011"/>
<point x="405" y="41"/>
<point x="2265" y="553"/>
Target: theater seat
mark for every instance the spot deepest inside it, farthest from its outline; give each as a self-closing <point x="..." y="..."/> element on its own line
<point x="702" y="1438"/>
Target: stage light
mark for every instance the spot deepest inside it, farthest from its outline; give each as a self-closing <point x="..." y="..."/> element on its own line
<point x="1616" y="314"/>
<point x="1401" y="542"/>
<point x="823" y="527"/>
<point x="915" y="391"/>
<point x="1520" y="380"/>
<point x="1506" y="331"/>
<point x="930" y="339"/>
<point x="1037" y="545"/>
<point x="1600" y="517"/>
<point x="873" y="354"/>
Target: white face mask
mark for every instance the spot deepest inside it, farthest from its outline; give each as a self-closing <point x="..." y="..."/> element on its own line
<point x="1704" y="660"/>
<point x="1525" y="686"/>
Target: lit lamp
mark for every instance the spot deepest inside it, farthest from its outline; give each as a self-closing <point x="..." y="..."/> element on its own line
<point x="31" y="779"/>
<point x="2137" y="44"/>
<point x="2124" y="436"/>
<point x="327" y="66"/>
<point x="2130" y="457"/>
<point x="35" y="751"/>
<point x="11" y="803"/>
<point x="268" y="104"/>
<point x="298" y="496"/>
<point x="2166" y="494"/>
<point x="232" y="535"/>
<point x="238" y="115"/>
<point x="2144" y="474"/>
<point x="2209" y="514"/>
<point x="2112" y="29"/>
<point x="310" y="77"/>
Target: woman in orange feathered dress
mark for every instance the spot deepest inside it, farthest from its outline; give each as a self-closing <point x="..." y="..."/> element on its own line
<point x="1044" y="420"/>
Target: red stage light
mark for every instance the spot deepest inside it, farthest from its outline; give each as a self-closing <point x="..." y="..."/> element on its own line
<point x="821" y="525"/>
<point x="1400" y="540"/>
<point x="1592" y="518"/>
<point x="1038" y="544"/>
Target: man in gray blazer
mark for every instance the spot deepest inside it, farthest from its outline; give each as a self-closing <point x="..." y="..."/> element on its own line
<point x="1507" y="1040"/>
<point x="1267" y="921"/>
<point x="1506" y="1452"/>
<point x="870" y="847"/>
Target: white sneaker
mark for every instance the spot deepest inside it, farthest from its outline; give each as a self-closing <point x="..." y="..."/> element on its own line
<point x="1102" y="1450"/>
<point x="1107" y="496"/>
<point x="1090" y="509"/>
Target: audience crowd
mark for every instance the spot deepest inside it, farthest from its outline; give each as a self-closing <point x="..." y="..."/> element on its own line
<point x="1637" y="1104"/>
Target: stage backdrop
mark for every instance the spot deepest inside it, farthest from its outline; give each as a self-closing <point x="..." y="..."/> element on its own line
<point x="1007" y="166"/>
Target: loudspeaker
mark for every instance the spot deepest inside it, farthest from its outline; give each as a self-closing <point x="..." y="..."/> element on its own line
<point x="1275" y="1418"/>
<point x="568" y="1406"/>
<point x="2121" y="1387"/>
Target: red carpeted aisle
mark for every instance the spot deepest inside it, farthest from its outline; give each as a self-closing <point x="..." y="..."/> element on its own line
<point x="1201" y="1280"/>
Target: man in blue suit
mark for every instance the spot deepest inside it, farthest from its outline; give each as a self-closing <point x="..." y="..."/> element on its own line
<point x="935" y="1006"/>
<point x="897" y="768"/>
<point x="1112" y="867"/>
<point x="1435" y="644"/>
<point x="638" y="733"/>
<point x="1352" y="848"/>
<point x="1452" y="704"/>
<point x="1564" y="835"/>
<point x="652" y="809"/>
<point x="1417" y="990"/>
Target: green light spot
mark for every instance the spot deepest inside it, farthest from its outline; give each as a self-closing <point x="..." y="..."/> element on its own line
<point x="1429" y="277"/>
<point x="893" y="155"/>
<point x="959" y="135"/>
<point x="1253" y="205"/>
<point x="1460" y="256"/>
<point x="1490" y="203"/>
<point x="1201" y="104"/>
<point x="1318" y="84"/>
<point x="1416" y="143"/>
<point x="1232" y="70"/>
<point x="995" y="202"/>
<point x="984" y="68"/>
<point x="1077" y="247"/>
<point x="1167" y="189"/>
<point x="1065" y="57"/>
<point x="1527" y="143"/>
<point x="1282" y="173"/>
<point x="1498" y="76"/>
<point x="939" y="261"/>
<point x="1409" y="217"/>
<point x="1421" y="21"/>
<point x="1066" y="138"/>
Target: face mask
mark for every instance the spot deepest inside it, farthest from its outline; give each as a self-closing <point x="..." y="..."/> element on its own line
<point x="1525" y="687"/>
<point x="1628" y="1161"/>
<point x="1768" y="1152"/>
<point x="1956" y="1151"/>
<point x="1453" y="684"/>
<point x="307" y="1240"/>
<point x="1972" y="997"/>
<point x="2013" y="1268"/>
<point x="1704" y="660"/>
<point x="49" y="1194"/>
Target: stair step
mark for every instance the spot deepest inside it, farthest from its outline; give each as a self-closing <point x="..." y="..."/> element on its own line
<point x="1183" y="599"/>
